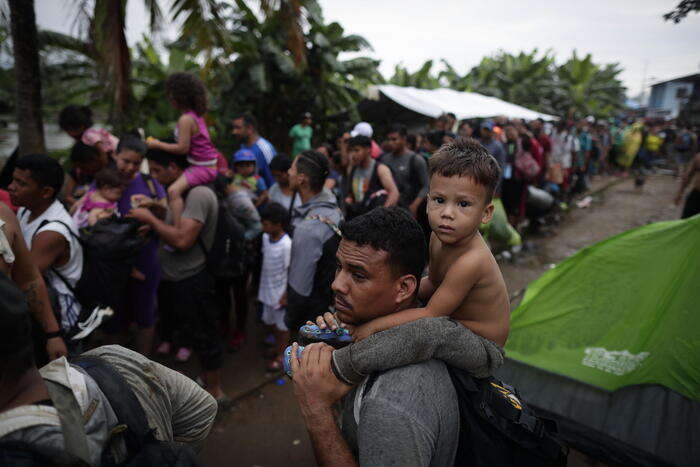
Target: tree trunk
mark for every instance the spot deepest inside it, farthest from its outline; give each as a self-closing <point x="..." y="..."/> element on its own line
<point x="109" y="27"/>
<point x="27" y="76"/>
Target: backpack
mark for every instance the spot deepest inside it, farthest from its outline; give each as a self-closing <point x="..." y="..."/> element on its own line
<point x="526" y="165"/>
<point x="374" y="197"/>
<point x="110" y="249"/>
<point x="226" y="259"/>
<point x="496" y="427"/>
<point x="142" y="448"/>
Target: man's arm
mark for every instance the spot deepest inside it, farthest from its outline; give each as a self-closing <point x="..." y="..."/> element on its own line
<point x="26" y="275"/>
<point x="316" y="390"/>
<point x="182" y="237"/>
<point x="387" y="181"/>
<point x="453" y="290"/>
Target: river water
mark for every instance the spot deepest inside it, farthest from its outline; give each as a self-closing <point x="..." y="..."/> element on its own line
<point x="54" y="137"/>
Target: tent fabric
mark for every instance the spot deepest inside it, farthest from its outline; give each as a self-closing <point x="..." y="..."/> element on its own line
<point x="622" y="312"/>
<point x="608" y="342"/>
<point x="435" y="102"/>
<point x="646" y="425"/>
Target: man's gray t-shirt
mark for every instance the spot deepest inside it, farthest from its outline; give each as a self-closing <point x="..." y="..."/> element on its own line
<point x="408" y="416"/>
<point x="410" y="173"/>
<point x="201" y="205"/>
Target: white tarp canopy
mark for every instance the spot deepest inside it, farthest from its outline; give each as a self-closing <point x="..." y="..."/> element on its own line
<point x="435" y="102"/>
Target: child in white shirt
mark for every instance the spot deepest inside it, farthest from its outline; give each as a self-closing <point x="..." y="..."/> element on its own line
<point x="276" y="251"/>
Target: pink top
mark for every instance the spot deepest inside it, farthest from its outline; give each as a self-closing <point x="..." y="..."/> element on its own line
<point x="202" y="151"/>
<point x="93" y="135"/>
<point x="81" y="214"/>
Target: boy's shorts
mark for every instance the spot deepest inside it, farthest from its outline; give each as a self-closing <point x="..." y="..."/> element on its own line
<point x="273" y="317"/>
<point x="200" y="174"/>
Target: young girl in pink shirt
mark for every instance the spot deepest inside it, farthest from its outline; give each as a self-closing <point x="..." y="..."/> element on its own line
<point x="187" y="94"/>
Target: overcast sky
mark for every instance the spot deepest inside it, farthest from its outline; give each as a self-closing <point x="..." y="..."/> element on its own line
<point x="630" y="32"/>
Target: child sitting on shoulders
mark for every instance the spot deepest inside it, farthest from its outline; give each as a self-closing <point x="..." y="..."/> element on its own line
<point x="276" y="251"/>
<point x="101" y="202"/>
<point x="244" y="176"/>
<point x="187" y="94"/>
<point x="464" y="281"/>
<point x="77" y="122"/>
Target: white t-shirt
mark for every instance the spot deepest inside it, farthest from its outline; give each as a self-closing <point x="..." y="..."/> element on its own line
<point x="72" y="270"/>
<point x="275" y="265"/>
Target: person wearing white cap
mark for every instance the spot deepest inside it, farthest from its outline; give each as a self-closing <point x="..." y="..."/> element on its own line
<point x="365" y="129"/>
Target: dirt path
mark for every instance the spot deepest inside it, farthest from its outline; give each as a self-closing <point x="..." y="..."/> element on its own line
<point x="265" y="427"/>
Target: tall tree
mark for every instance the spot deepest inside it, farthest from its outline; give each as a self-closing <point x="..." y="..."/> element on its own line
<point x="27" y="75"/>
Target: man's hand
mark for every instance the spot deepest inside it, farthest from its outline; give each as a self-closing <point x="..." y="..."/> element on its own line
<point x="315" y="386"/>
<point x="143" y="215"/>
<point x="56" y="348"/>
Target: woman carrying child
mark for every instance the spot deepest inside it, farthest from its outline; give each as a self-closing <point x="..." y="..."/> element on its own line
<point x="187" y="94"/>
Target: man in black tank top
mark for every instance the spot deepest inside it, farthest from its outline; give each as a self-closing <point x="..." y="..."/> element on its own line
<point x="371" y="183"/>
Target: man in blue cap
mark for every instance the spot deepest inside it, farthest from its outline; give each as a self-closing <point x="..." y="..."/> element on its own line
<point x="494" y="147"/>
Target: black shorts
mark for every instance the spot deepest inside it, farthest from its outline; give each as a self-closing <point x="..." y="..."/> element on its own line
<point x="189" y="314"/>
<point x="692" y="204"/>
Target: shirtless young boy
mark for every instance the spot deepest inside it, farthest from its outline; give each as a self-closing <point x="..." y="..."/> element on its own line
<point x="464" y="281"/>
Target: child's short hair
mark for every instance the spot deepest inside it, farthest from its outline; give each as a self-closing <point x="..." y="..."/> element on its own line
<point x="109" y="177"/>
<point x="81" y="153"/>
<point x="466" y="157"/>
<point x="75" y="117"/>
<point x="188" y="92"/>
<point x="275" y="213"/>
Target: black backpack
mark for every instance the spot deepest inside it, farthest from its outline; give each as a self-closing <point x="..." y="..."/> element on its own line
<point x="226" y="259"/>
<point x="110" y="249"/>
<point x="498" y="428"/>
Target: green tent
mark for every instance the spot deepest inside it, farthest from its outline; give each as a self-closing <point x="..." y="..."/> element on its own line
<point x="613" y="334"/>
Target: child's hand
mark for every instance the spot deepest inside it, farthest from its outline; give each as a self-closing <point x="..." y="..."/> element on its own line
<point x="138" y="275"/>
<point x="328" y="320"/>
<point x="151" y="142"/>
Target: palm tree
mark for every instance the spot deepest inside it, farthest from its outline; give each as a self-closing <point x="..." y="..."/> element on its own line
<point x="421" y="78"/>
<point x="27" y="77"/>
<point x="106" y="45"/>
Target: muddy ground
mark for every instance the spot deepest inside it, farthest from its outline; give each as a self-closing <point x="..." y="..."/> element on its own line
<point x="265" y="428"/>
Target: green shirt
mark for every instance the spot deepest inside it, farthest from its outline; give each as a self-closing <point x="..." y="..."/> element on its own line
<point x="302" y="138"/>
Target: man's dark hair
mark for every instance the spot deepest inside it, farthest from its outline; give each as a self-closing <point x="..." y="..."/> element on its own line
<point x="466" y="157"/>
<point x="16" y="345"/>
<point x="451" y="115"/>
<point x="81" y="153"/>
<point x="109" y="177"/>
<point x="398" y="128"/>
<point x="435" y="137"/>
<point x="359" y="140"/>
<point x="75" y="117"/>
<point x="47" y="172"/>
<point x="132" y="143"/>
<point x="315" y="166"/>
<point x="275" y="213"/>
<point x="248" y="119"/>
<point x="188" y="92"/>
<point x="280" y="163"/>
<point x="395" y="231"/>
<point x="164" y="158"/>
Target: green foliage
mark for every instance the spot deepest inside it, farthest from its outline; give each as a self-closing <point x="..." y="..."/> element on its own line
<point x="532" y="80"/>
<point x="682" y="10"/>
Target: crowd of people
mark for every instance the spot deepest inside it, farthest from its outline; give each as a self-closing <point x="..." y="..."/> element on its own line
<point x="265" y="233"/>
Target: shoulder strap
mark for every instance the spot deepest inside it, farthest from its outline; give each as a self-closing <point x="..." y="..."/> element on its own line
<point x="151" y="185"/>
<point x="121" y="398"/>
<point x="332" y="225"/>
<point x="71" y="418"/>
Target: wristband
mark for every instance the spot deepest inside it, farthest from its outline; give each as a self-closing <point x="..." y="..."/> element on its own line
<point x="51" y="335"/>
